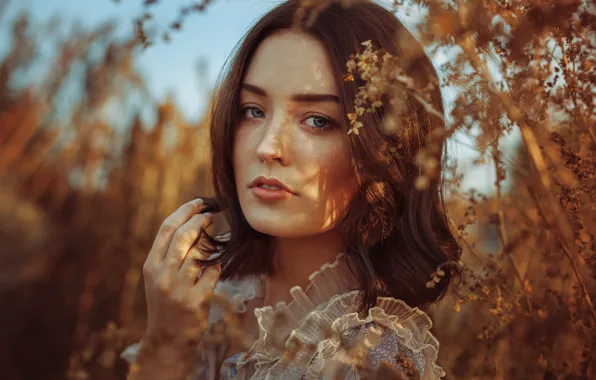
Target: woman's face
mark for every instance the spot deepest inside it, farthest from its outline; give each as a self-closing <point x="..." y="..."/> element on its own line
<point x="290" y="129"/>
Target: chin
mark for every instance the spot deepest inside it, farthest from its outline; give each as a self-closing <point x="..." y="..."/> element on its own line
<point x="282" y="226"/>
<point x="275" y="227"/>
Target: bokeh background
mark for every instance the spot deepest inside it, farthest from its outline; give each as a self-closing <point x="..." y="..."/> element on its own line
<point x="101" y="138"/>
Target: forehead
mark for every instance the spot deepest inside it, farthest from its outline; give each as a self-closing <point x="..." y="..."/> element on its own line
<point x="290" y="62"/>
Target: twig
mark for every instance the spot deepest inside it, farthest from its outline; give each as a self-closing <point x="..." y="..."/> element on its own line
<point x="579" y="278"/>
<point x="472" y="250"/>
<point x="567" y="254"/>
<point x="505" y="249"/>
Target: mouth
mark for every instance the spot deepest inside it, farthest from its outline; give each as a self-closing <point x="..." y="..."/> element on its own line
<point x="270" y="189"/>
<point x="269" y="184"/>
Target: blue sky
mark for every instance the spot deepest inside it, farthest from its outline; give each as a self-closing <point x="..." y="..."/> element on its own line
<point x="171" y="68"/>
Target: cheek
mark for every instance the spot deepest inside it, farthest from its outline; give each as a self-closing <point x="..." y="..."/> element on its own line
<point x="241" y="149"/>
<point x="334" y="165"/>
<point x="335" y="183"/>
<point x="335" y="171"/>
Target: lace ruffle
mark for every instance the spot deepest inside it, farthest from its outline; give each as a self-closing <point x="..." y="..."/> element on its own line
<point x="239" y="292"/>
<point x="327" y="282"/>
<point x="317" y="318"/>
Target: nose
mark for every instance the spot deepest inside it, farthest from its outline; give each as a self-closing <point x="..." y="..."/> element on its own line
<point x="273" y="144"/>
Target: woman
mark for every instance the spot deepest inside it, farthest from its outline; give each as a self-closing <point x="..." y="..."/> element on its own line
<point x="327" y="226"/>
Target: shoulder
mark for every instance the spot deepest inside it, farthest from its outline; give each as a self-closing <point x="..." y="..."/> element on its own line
<point x="236" y="291"/>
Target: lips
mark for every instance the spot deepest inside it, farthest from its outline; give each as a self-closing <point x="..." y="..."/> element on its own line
<point x="272" y="184"/>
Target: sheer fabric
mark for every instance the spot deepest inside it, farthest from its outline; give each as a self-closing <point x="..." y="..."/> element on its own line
<point x="321" y="325"/>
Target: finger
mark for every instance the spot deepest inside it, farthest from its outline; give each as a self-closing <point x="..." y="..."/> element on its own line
<point x="183" y="239"/>
<point x="206" y="283"/>
<point x="190" y="269"/>
<point x="169" y="226"/>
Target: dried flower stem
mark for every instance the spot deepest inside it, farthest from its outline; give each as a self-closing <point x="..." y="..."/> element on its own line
<point x="501" y="219"/>
<point x="579" y="278"/>
<point x="516" y="115"/>
<point x="569" y="257"/>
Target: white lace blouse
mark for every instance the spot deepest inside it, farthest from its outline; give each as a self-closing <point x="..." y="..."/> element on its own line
<point x="323" y="321"/>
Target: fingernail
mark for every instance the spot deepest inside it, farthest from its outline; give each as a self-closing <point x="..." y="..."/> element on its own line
<point x="208" y="215"/>
<point x="197" y="202"/>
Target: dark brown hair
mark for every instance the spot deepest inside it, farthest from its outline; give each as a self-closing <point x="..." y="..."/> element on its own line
<point x="396" y="234"/>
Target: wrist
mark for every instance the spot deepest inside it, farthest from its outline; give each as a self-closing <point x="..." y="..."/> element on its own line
<point x="159" y="360"/>
<point x="166" y="350"/>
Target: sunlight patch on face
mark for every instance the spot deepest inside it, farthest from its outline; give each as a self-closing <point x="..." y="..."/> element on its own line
<point x="336" y="207"/>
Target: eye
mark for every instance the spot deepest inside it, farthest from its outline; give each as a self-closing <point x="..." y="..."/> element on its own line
<point x="318" y="122"/>
<point x="252" y="113"/>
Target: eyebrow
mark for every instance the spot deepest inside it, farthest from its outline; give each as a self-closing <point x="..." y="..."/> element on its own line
<point x="304" y="97"/>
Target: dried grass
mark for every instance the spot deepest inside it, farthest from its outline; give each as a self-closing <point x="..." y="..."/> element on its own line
<point x="79" y="208"/>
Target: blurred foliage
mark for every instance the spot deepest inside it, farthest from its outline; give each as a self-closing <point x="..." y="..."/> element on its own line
<point x="81" y="197"/>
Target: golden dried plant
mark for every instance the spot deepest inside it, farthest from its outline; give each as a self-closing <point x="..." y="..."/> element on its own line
<point x="93" y="193"/>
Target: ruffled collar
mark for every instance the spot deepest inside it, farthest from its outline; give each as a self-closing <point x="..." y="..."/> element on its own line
<point x="323" y="284"/>
<point x="317" y="316"/>
<point x="277" y="322"/>
<point x="330" y="279"/>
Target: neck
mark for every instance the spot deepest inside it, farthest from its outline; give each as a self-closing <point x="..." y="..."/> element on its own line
<point x="295" y="259"/>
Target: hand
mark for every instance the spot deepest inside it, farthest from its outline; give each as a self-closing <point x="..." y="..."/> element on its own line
<point x="175" y="297"/>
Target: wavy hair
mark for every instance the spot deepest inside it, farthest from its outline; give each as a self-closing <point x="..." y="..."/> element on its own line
<point x="396" y="234"/>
